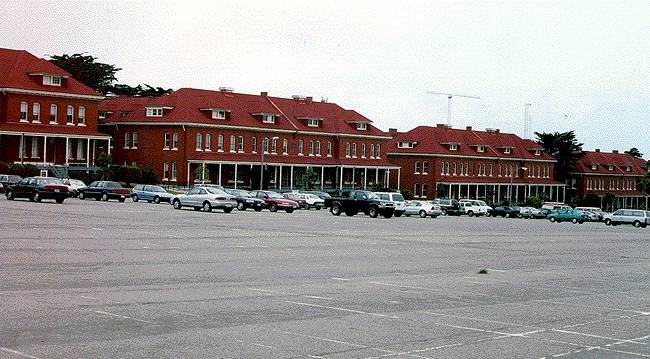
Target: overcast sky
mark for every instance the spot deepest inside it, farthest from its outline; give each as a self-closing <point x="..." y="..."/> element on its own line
<point x="589" y="61"/>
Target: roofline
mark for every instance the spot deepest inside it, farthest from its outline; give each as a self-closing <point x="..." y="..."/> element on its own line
<point x="466" y="156"/>
<point x="192" y="124"/>
<point x="94" y="137"/>
<point x="607" y="174"/>
<point x="47" y="93"/>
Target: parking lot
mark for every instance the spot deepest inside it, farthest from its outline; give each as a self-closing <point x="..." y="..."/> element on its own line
<point x="135" y="280"/>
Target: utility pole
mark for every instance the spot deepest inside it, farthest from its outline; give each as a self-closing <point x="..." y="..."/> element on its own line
<point x="527" y="123"/>
<point x="449" y="96"/>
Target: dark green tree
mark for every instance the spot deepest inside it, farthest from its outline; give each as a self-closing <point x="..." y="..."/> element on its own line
<point x="634" y="152"/>
<point x="104" y="162"/>
<point x="564" y="147"/>
<point x="308" y="178"/>
<point x="441" y="190"/>
<point x="140" y="90"/>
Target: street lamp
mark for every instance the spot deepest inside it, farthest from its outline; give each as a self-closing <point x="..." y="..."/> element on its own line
<point x="262" y="162"/>
<point x="512" y="175"/>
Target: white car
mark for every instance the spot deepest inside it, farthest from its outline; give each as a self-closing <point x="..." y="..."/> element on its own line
<point x="474" y="207"/>
<point x="530" y="212"/>
<point x="73" y="186"/>
<point x="636" y="217"/>
<point x="396" y="198"/>
<point x="423" y="209"/>
<point x="206" y="198"/>
<point x="313" y="201"/>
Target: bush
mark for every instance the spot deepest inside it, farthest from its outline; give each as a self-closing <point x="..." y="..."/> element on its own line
<point x="534" y="201"/>
<point x="408" y="195"/>
<point x="22" y="170"/>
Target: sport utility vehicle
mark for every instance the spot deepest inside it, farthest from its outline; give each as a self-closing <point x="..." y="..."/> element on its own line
<point x="635" y="217"/>
<point x="396" y="198"/>
<point x="481" y="207"/>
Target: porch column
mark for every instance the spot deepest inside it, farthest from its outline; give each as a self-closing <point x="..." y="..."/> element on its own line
<point x="291" y="179"/>
<point x="563" y="194"/>
<point x="280" y="185"/>
<point x="365" y="174"/>
<point x="22" y="147"/>
<point x="236" y="177"/>
<point x="94" y="151"/>
<point x="499" y="193"/>
<point x="494" y="191"/>
<point x="399" y="171"/>
<point x="516" y="193"/>
<point x="87" y="152"/>
<point x="449" y="191"/>
<point x="67" y="153"/>
<point x="476" y="191"/>
<point x="376" y="175"/>
<point x="188" y="169"/>
<point x="44" y="149"/>
<point x="322" y="177"/>
<point x="460" y="186"/>
<point x="388" y="178"/>
<point x="354" y="169"/>
<point x="203" y="172"/>
<point x="109" y="150"/>
<point x="341" y="183"/>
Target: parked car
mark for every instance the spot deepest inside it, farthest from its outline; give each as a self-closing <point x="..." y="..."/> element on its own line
<point x="74" y="185"/>
<point x="274" y="201"/>
<point x="530" y="212"/>
<point x="635" y="217"/>
<point x="320" y="194"/>
<point x="313" y="201"/>
<point x="448" y="206"/>
<point x="566" y="215"/>
<point x="206" y="198"/>
<point x="7" y="180"/>
<point x="396" y="198"/>
<point x="504" y="211"/>
<point x="150" y="193"/>
<point x="360" y="201"/>
<point x="473" y="208"/>
<point x="104" y="190"/>
<point x="423" y="209"/>
<point x="597" y="213"/>
<point x="549" y="207"/>
<point x="37" y="189"/>
<point x="246" y="200"/>
<point x="295" y="196"/>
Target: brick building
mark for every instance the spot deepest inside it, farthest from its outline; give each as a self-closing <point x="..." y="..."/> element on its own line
<point x="609" y="180"/>
<point x="223" y="137"/>
<point x="47" y="118"/>
<point x="465" y="163"/>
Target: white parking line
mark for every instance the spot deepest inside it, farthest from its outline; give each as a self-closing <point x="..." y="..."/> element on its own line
<point x="317" y="297"/>
<point x="339" y="278"/>
<point x="592" y="306"/>
<point x="7" y="350"/>
<point x="342" y="309"/>
<point x="122" y="316"/>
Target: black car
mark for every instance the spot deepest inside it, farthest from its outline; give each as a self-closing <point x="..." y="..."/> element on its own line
<point x="504" y="211"/>
<point x="360" y="201"/>
<point x="246" y="200"/>
<point x="104" y="190"/>
<point x="8" y="180"/>
<point x="37" y="189"/>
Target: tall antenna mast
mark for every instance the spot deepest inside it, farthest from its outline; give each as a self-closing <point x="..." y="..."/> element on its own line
<point x="449" y="96"/>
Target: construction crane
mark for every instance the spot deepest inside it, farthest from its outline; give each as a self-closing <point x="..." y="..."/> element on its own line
<point x="449" y="96"/>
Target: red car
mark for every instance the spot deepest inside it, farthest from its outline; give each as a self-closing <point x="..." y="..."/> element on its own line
<point x="275" y="201"/>
<point x="296" y="197"/>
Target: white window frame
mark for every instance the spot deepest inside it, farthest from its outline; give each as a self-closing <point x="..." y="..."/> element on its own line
<point x="312" y="148"/>
<point x="594" y="167"/>
<point x="254" y="144"/>
<point x="268" y="118"/>
<point x="207" y="143"/>
<point x="134" y="140"/>
<point x="453" y="147"/>
<point x="285" y="146"/>
<point x="218" y="114"/>
<point x="480" y="148"/>
<point x="36" y="111"/>
<point x="232" y="146"/>
<point x="363" y="150"/>
<point x="425" y="167"/>
<point x="165" y="171"/>
<point x="265" y="145"/>
<point x="329" y="148"/>
<point x="378" y="151"/>
<point x="174" y="171"/>
<point x="81" y="116"/>
<point x="507" y="150"/>
<point x="199" y="142"/>
<point x="127" y="140"/>
<point x="154" y="112"/>
<point x="317" y="148"/>
<point x="347" y="150"/>
<point x="301" y="148"/>
<point x="174" y="143"/>
<point x="362" y="126"/>
<point x="69" y="115"/>
<point x="354" y="150"/>
<point x="166" y="142"/>
<point x="24" y="110"/>
<point x="36" y="148"/>
<point x="54" y="114"/>
<point x="312" y="122"/>
<point x="416" y="168"/>
<point x="240" y="144"/>
<point x="219" y="143"/>
<point x="274" y="145"/>
<point x="52" y="80"/>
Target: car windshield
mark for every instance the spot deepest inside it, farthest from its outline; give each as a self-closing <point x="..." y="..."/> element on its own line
<point x="274" y="195"/>
<point x="75" y="182"/>
<point x="157" y="189"/>
<point x="214" y="190"/>
<point x="44" y="181"/>
<point x="372" y="195"/>
<point x="113" y="185"/>
<point x="398" y="198"/>
<point x="482" y="204"/>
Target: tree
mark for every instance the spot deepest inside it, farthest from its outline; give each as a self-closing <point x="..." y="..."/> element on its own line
<point x="634" y="152"/>
<point x="101" y="77"/>
<point x="564" y="148"/>
<point x="308" y="178"/>
<point x="104" y="162"/>
<point x="441" y="190"/>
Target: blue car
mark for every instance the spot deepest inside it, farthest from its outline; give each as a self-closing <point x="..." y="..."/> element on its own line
<point x="150" y="193"/>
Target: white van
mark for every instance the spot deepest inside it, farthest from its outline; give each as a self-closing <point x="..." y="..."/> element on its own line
<point x="396" y="198"/>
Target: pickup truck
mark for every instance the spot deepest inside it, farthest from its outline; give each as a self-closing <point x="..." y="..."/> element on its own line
<point x="360" y="201"/>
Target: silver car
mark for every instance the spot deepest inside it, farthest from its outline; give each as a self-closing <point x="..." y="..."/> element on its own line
<point x="635" y="217"/>
<point x="206" y="198"/>
<point x="422" y="209"/>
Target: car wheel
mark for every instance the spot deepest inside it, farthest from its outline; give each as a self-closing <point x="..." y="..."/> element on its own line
<point x="177" y="204"/>
<point x="552" y="219"/>
<point x="258" y="209"/>
<point x="608" y="222"/>
<point x="398" y="214"/>
<point x="318" y="208"/>
<point x="574" y="221"/>
<point x="373" y="212"/>
<point x="10" y="195"/>
<point x="207" y="207"/>
<point x="156" y="200"/>
<point x="227" y="210"/>
<point x="643" y="225"/>
<point x="81" y="196"/>
<point x="105" y="197"/>
<point x="289" y="210"/>
<point x="336" y="209"/>
<point x="60" y="200"/>
<point x="470" y="213"/>
<point x="581" y="222"/>
<point x="423" y="214"/>
<point x="240" y="206"/>
<point x="36" y="197"/>
<point x="636" y="224"/>
<point x="273" y="207"/>
<point x="135" y="198"/>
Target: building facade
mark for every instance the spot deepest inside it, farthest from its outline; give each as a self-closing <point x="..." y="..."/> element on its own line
<point x="464" y="163"/>
<point x="221" y="137"/>
<point x="609" y="180"/>
<point x="47" y="118"/>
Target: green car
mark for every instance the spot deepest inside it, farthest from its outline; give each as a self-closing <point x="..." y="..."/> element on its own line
<point x="566" y="215"/>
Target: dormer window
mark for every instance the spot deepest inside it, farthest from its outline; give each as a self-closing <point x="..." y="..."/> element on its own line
<point x="403" y="144"/>
<point x="51" y="80"/>
<point x="266" y="118"/>
<point x="453" y="147"/>
<point x="538" y="152"/>
<point x="507" y="150"/>
<point x="362" y="126"/>
<point x="480" y="148"/>
<point x="154" y="111"/>
<point x="312" y="122"/>
<point x="628" y="168"/>
<point x="594" y="167"/>
<point x="218" y="114"/>
<point x="610" y="167"/>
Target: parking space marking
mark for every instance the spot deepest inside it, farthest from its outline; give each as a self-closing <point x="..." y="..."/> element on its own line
<point x="339" y="278"/>
<point x="16" y="352"/>
<point x="592" y="306"/>
<point x="342" y="309"/>
<point x="416" y="351"/>
<point x="258" y="344"/>
<point x="597" y="336"/>
<point x="317" y="297"/>
<point x="122" y="316"/>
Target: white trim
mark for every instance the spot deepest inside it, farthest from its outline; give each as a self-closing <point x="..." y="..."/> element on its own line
<point x="607" y="174"/>
<point x="257" y="163"/>
<point x="26" y="133"/>
<point x="465" y="156"/>
<point x="48" y="93"/>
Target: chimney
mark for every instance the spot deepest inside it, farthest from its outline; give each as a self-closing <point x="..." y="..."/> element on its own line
<point x="497" y="131"/>
<point x="597" y="150"/>
<point x="468" y="128"/>
<point x="440" y="125"/>
<point x="392" y="131"/>
<point x="614" y="151"/>
<point x="264" y="94"/>
<point x="309" y="99"/>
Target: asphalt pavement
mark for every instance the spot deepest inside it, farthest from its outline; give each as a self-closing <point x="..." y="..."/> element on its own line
<point x="90" y="279"/>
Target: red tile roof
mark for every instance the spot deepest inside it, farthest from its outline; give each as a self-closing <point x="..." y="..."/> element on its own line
<point x="603" y="160"/>
<point x="435" y="140"/>
<point x="17" y="65"/>
<point x="190" y="105"/>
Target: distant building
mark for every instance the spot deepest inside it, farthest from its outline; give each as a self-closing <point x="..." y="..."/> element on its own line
<point x="47" y="118"/>
<point x="609" y="180"/>
<point x="222" y="137"/>
<point x="465" y="163"/>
